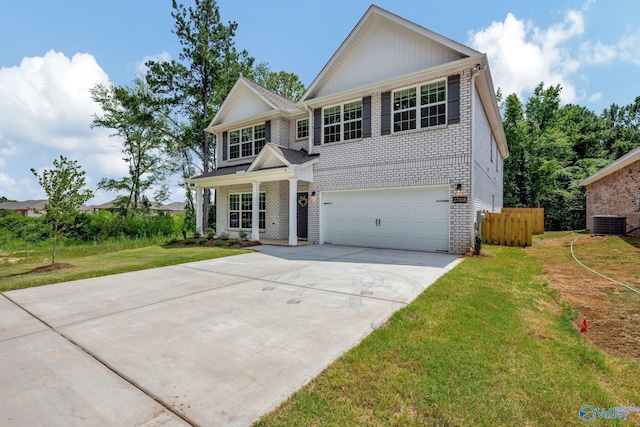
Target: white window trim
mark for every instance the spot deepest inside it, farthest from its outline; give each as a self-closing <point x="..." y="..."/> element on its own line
<point x="253" y="141"/>
<point x="419" y="106"/>
<point x="229" y="210"/>
<point x="342" y="122"/>
<point x="298" y="137"/>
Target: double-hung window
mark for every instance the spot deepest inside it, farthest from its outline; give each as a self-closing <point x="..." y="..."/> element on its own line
<point x="428" y="101"/>
<point x="246" y="142"/>
<point x="302" y="127"/>
<point x="342" y="122"/>
<point x="240" y="210"/>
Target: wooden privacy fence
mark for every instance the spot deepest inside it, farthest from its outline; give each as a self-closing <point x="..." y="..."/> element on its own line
<point x="538" y="217"/>
<point x="515" y="227"/>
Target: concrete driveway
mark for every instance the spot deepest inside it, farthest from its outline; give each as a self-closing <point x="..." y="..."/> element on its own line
<point x="211" y="343"/>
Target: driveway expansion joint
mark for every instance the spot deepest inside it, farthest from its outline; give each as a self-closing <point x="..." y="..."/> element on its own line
<point x="100" y="361"/>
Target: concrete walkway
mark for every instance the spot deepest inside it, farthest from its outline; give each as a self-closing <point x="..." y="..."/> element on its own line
<point x="211" y="343"/>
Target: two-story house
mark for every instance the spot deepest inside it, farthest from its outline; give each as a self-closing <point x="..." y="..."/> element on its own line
<point x="397" y="143"/>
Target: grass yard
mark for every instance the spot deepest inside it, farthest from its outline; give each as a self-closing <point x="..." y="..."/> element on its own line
<point x="93" y="260"/>
<point x="490" y="343"/>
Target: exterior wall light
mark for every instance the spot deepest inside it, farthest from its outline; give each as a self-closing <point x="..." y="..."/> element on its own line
<point x="313" y="197"/>
<point x="458" y="190"/>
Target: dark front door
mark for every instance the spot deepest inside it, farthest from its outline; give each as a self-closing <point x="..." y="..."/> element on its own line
<point x="303" y="214"/>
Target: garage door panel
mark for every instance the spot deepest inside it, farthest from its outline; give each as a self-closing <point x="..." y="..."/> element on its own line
<point x="395" y="218"/>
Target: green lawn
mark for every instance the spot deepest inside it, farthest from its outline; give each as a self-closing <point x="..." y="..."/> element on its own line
<point x="488" y="344"/>
<point x="93" y="260"/>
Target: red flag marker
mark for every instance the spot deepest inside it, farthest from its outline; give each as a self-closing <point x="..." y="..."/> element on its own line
<point x="584" y="326"/>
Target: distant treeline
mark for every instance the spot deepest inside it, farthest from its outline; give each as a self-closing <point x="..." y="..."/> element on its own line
<point x="553" y="148"/>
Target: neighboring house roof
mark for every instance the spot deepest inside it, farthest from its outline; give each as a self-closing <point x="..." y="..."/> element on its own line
<point x="629" y="158"/>
<point x="106" y="205"/>
<point x="171" y="207"/>
<point x="24" y="206"/>
<point x="174" y="206"/>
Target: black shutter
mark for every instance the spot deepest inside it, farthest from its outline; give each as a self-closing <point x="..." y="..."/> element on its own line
<point x="317" y="126"/>
<point x="267" y="131"/>
<point x="224" y="145"/>
<point x="453" y="101"/>
<point x="385" y="127"/>
<point x="366" y="117"/>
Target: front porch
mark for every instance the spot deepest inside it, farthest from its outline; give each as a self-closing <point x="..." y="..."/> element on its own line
<point x="267" y="198"/>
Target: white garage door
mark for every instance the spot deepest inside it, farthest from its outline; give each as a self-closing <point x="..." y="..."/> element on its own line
<point x="399" y="218"/>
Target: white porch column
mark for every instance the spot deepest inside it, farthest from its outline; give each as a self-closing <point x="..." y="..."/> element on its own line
<point x="255" y="212"/>
<point x="198" y="208"/>
<point x="293" y="211"/>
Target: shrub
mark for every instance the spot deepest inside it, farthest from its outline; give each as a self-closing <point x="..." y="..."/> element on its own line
<point x="478" y="244"/>
<point x="242" y="234"/>
<point x="211" y="232"/>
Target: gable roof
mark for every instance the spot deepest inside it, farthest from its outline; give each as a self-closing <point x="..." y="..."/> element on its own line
<point x="629" y="158"/>
<point x="271" y="156"/>
<point x="277" y="100"/>
<point x="358" y="57"/>
<point x="248" y="99"/>
<point x="25" y="205"/>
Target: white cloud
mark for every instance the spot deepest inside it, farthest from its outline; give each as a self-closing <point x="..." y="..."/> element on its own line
<point x="627" y="49"/>
<point x="595" y="97"/>
<point x="6" y="181"/>
<point x="141" y="67"/>
<point x="523" y="55"/>
<point x="47" y="111"/>
<point x="46" y="103"/>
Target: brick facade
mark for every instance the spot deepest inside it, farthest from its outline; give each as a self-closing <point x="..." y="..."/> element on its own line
<point x="464" y="151"/>
<point x="616" y="194"/>
<point x="434" y="156"/>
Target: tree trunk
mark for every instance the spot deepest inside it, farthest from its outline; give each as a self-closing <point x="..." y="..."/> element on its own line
<point x="205" y="167"/>
<point x="55" y="240"/>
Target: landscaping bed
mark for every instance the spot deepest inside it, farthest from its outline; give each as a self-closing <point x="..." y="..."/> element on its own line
<point x="216" y="242"/>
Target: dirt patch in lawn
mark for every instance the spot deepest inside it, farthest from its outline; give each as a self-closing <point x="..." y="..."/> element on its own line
<point x="50" y="267"/>
<point x="612" y="311"/>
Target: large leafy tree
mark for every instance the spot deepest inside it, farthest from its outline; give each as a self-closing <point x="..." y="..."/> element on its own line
<point x="624" y="128"/>
<point x="192" y="89"/>
<point x="65" y="190"/>
<point x="126" y="111"/>
<point x="553" y="148"/>
<point x="283" y="83"/>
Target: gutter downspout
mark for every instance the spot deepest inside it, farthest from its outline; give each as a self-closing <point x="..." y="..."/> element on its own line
<point x="475" y="72"/>
<point x="310" y="141"/>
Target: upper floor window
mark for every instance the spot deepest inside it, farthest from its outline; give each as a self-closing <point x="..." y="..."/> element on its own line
<point x="302" y="126"/>
<point x="247" y="142"/>
<point x="431" y="106"/>
<point x="342" y="122"/>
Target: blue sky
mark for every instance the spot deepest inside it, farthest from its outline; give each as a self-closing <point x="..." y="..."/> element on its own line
<point x="53" y="52"/>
